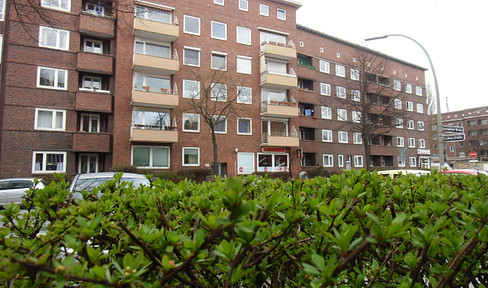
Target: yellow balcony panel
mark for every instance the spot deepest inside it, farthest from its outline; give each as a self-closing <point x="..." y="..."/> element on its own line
<point x="156" y="30"/>
<point x="279" y="51"/>
<point x="154" y="136"/>
<point x="158" y="65"/>
<point x="282" y="141"/>
<point x="154" y="99"/>
<point x="278" y="81"/>
<point x="280" y="111"/>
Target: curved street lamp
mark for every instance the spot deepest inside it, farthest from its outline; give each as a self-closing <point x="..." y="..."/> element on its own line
<point x="440" y="140"/>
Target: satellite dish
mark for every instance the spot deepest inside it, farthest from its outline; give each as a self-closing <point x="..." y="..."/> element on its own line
<point x="303" y="175"/>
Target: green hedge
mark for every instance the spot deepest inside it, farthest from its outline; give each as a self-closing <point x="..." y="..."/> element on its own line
<point x="355" y="229"/>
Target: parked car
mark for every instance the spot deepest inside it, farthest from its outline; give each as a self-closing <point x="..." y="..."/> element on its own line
<point x="464" y="172"/>
<point x="397" y="172"/>
<point x="12" y="190"/>
<point x="88" y="181"/>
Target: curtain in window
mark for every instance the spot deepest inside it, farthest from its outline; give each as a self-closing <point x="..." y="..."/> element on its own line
<point x="44" y="119"/>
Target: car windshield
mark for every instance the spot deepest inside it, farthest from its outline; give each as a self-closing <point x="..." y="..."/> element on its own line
<point x="89" y="184"/>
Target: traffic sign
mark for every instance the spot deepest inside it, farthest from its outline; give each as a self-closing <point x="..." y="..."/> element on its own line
<point x="453" y="129"/>
<point x="473" y="154"/>
<point x="454" y="138"/>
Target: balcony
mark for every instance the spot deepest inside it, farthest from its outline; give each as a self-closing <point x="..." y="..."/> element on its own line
<point x="279" y="109"/>
<point x="280" y="51"/>
<point x="280" y="141"/>
<point x="97" y="26"/>
<point x="147" y="134"/>
<point x="154" y="99"/>
<point x="93" y="100"/>
<point x="270" y="80"/>
<point x="145" y="28"/>
<point x="154" y="64"/>
<point x="95" y="63"/>
<point x="91" y="142"/>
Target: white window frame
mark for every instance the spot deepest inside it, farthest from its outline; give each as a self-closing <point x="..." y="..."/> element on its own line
<point x="399" y="122"/>
<point x="418" y="90"/>
<point x="90" y="124"/>
<point x="400" y="142"/>
<point x="341" y="92"/>
<point x="331" y="160"/>
<point x="355" y="74"/>
<point x="421" y="125"/>
<point x="327" y="135"/>
<point x="342" y="136"/>
<point x="340" y="160"/>
<point x="340" y="70"/>
<point x="44" y="156"/>
<point x="221" y="97"/>
<point x="240" y="99"/>
<point x="219" y="2"/>
<point x="222" y="119"/>
<point x="183" y="156"/>
<point x="244" y="62"/>
<point x="412" y="161"/>
<point x="410" y="124"/>
<point x="2" y="13"/>
<point x="326" y="112"/>
<point x="397" y="85"/>
<point x="187" y="82"/>
<point x="357" y="138"/>
<point x="58" y="33"/>
<point x="239" y="31"/>
<point x="185" y="116"/>
<point x="191" y="49"/>
<point x="218" y="54"/>
<point x="420" y="108"/>
<point x="85" y="46"/>
<point x="409" y="105"/>
<point x="53" y="122"/>
<point x="244" y="2"/>
<point x="411" y="142"/>
<point x="248" y="120"/>
<point x="261" y="12"/>
<point x="49" y="4"/>
<point x="185" y="17"/>
<point x="281" y="11"/>
<point x="358" y="161"/>
<point x="324" y="66"/>
<point x="356" y="95"/>
<point x="92" y="79"/>
<point x="421" y="143"/>
<point x="151" y="156"/>
<point x="216" y="36"/>
<point x="89" y="156"/>
<point x="398" y="104"/>
<point x="401" y="161"/>
<point x="56" y="77"/>
<point x="341" y="114"/>
<point x="356" y="116"/>
<point x="408" y="88"/>
<point x="325" y="89"/>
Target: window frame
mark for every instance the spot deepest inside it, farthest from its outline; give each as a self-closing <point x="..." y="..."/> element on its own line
<point x="216" y="124"/>
<point x="397" y="85"/>
<point x="329" y="134"/>
<point x="248" y="62"/>
<point x="185" y="83"/>
<point x="185" y="17"/>
<point x="354" y="74"/>
<point x="183" y="156"/>
<point x="400" y="141"/>
<point x="327" y="88"/>
<point x="418" y="91"/>
<point x="283" y="11"/>
<point x="94" y="41"/>
<point x="90" y="124"/>
<point x="420" y="108"/>
<point x="249" y="121"/>
<point x="355" y="95"/>
<point x="47" y="4"/>
<point x="239" y="99"/>
<point x="218" y="54"/>
<point x="412" y="161"/>
<point x="341" y="92"/>
<point x="151" y="156"/>
<point x="43" y="169"/>
<point x="398" y="104"/>
<point x="53" y="120"/>
<point x="242" y="29"/>
<point x="328" y="114"/>
<point x="219" y="2"/>
<point x="421" y="143"/>
<point x="266" y="13"/>
<point x="331" y="160"/>
<point x="213" y="36"/>
<point x="185" y="62"/>
<point x="247" y="5"/>
<point x="342" y="136"/>
<point x="358" y="161"/>
<point x="408" y="88"/>
<point x="326" y="66"/>
<point x="409" y="105"/>
<point x="218" y="98"/>
<point x="357" y="138"/>
<point x="340" y="70"/>
<point x="411" y="142"/>
<point x="186" y="116"/>
<point x="56" y="78"/>
<point x="58" y="32"/>
<point x="341" y="114"/>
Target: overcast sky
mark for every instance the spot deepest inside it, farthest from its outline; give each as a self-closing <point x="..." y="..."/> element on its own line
<point x="453" y="32"/>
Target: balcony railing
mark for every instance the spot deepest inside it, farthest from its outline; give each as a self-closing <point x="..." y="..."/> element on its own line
<point x="279" y="50"/>
<point x="151" y="29"/>
<point x="281" y="138"/>
<point x="275" y="80"/>
<point x="281" y="109"/>
<point x="157" y="64"/>
<point x="150" y="98"/>
<point x="154" y="133"/>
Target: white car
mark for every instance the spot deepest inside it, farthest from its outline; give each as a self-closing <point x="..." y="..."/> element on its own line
<point x="398" y="172"/>
<point x="12" y="190"/>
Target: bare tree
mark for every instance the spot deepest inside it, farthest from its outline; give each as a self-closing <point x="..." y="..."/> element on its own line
<point x="214" y="103"/>
<point x="372" y="100"/>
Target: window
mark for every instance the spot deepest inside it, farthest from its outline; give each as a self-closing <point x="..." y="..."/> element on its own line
<point x="219" y="61"/>
<point x="191" y="25"/>
<point x="191" y="56"/>
<point x="411" y="142"/>
<point x="343" y="137"/>
<point x="219" y="92"/>
<point x="243" y="35"/>
<point x="398" y="104"/>
<point x="400" y="142"/>
<point x="191" y="156"/>
<point x="273" y="162"/>
<point x="401" y="161"/>
<point x="2" y="10"/>
<point x="326" y="112"/>
<point x="244" y="126"/>
<point x="191" y="89"/>
<point x="340" y="70"/>
<point x="308" y="160"/>
<point x="91" y="82"/>
<point x="452" y="149"/>
<point x="244" y="95"/>
<point x="410" y="124"/>
<point x="421" y="143"/>
<point x="191" y="122"/>
<point x="52" y="78"/>
<point x="220" y="124"/>
<point x="341" y="92"/>
<point x="341" y="114"/>
<point x="420" y="108"/>
<point x="57" y="4"/>
<point x="219" y="2"/>
<point x="356" y="116"/>
<point x="357" y="138"/>
<point x="356" y="95"/>
<point x="358" y="161"/>
<point x="418" y="91"/>
<point x="219" y="30"/>
<point x="53" y="38"/>
<point x="93" y="46"/>
<point x="328" y="160"/>
<point x="243" y="5"/>
<point x="88" y="163"/>
<point x="48" y="162"/>
<point x="472" y="123"/>
<point x="155" y="120"/>
<point x="90" y="123"/>
<point x="307" y="134"/>
<point x="355" y="74"/>
<point x="244" y="64"/>
<point x="324" y="66"/>
<point x="399" y="123"/>
<point x="50" y="119"/>
<point x="409" y="106"/>
<point x="281" y="14"/>
<point x="157" y="15"/>
<point x="420" y="125"/>
<point x="93" y="8"/>
<point x="150" y="157"/>
<point x="326" y="135"/>
<point x="412" y="161"/>
<point x="325" y="89"/>
<point x="340" y="160"/>
<point x="397" y="85"/>
<point x="263" y="10"/>
<point x="152" y="49"/>
<point x="408" y="88"/>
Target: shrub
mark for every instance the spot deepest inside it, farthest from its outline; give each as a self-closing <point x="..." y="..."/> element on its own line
<point x="353" y="229"/>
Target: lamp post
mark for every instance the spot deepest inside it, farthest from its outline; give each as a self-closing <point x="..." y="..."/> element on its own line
<point x="440" y="140"/>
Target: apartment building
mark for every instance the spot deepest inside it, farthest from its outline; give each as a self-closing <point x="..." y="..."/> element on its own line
<point x="465" y="136"/>
<point x="89" y="85"/>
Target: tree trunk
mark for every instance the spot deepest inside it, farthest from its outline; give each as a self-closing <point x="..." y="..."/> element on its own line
<point x="215" y="154"/>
